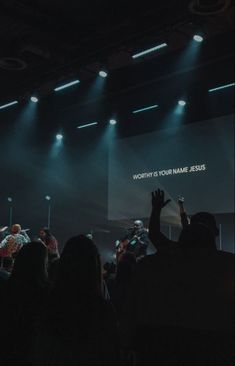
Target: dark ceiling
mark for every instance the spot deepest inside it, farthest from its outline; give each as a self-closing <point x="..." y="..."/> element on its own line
<point x="44" y="43"/>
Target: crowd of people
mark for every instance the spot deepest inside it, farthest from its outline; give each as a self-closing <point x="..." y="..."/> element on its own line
<point x="174" y="307"/>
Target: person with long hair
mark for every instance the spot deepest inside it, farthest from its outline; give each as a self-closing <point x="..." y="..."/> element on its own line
<point x="50" y="241"/>
<point x="79" y="325"/>
<point x="24" y="297"/>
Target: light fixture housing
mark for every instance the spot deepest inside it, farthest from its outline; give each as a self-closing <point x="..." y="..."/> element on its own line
<point x="198" y="38"/>
<point x="64" y="86"/>
<point x="221" y="87"/>
<point x="182" y="103"/>
<point x="103" y="73"/>
<point x="8" y="104"/>
<point x="34" y="99"/>
<point x="149" y="50"/>
<point x="145" y="109"/>
<point x="87" y="125"/>
<point x="59" y="137"/>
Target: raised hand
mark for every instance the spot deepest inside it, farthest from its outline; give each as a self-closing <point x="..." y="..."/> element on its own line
<point x="158" y="200"/>
<point x="158" y="239"/>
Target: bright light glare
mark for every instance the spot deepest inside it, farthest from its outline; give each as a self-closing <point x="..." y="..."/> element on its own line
<point x="59" y="137"/>
<point x="103" y="74"/>
<point x="181" y="102"/>
<point x="8" y="104"/>
<point x="112" y="121"/>
<point x="67" y="85"/>
<point x="198" y="38"/>
<point x="145" y="109"/>
<point x="149" y="50"/>
<point x="34" y="99"/>
<point x="221" y="87"/>
<point x="48" y="198"/>
<point x="87" y="125"/>
<point x="9" y="199"/>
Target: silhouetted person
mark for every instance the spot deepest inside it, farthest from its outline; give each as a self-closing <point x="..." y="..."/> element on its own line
<point x="119" y="286"/>
<point x="79" y="326"/>
<point x="181" y="305"/>
<point x="53" y="267"/>
<point x="5" y="271"/>
<point x="24" y="297"/>
<point x="159" y="240"/>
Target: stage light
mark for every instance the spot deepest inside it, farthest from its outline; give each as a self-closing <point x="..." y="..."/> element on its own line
<point x="9" y="199"/>
<point x="221" y="87"/>
<point x="59" y="137"/>
<point x="182" y="103"/>
<point x="149" y="50"/>
<point x="9" y="104"/>
<point x="103" y="74"/>
<point x="34" y="99"/>
<point x="198" y="38"/>
<point x="67" y="85"/>
<point x="48" y="198"/>
<point x="145" y="109"/>
<point x="87" y="125"/>
<point x="112" y="121"/>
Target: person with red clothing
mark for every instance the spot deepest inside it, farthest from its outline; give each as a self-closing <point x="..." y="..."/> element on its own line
<point x="50" y="241"/>
<point x="13" y="242"/>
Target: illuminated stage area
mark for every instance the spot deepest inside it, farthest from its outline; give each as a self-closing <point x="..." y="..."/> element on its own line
<point x="117" y="182"/>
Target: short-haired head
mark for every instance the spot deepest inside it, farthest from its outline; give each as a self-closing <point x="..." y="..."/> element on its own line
<point x="16" y="229"/>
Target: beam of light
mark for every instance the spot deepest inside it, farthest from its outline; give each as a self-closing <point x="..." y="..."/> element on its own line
<point x="103" y="73"/>
<point x="198" y="38"/>
<point x="9" y="104"/>
<point x="182" y="103"/>
<point x="145" y="109"/>
<point x="87" y="125"/>
<point x="149" y="50"/>
<point x="112" y="121"/>
<point x="67" y="85"/>
<point x="56" y="148"/>
<point x="221" y="87"/>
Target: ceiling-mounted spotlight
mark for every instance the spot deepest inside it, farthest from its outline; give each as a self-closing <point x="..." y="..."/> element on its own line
<point x="34" y="99"/>
<point x="198" y="38"/>
<point x="59" y="137"/>
<point x="103" y="73"/>
<point x="182" y="103"/>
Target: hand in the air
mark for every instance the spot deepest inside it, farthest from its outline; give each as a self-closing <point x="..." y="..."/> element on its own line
<point x="158" y="200"/>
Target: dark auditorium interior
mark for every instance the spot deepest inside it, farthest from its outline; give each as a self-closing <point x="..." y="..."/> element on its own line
<point x="117" y="183"/>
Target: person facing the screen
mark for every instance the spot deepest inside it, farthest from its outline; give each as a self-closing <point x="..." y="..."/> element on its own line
<point x="159" y="240"/>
